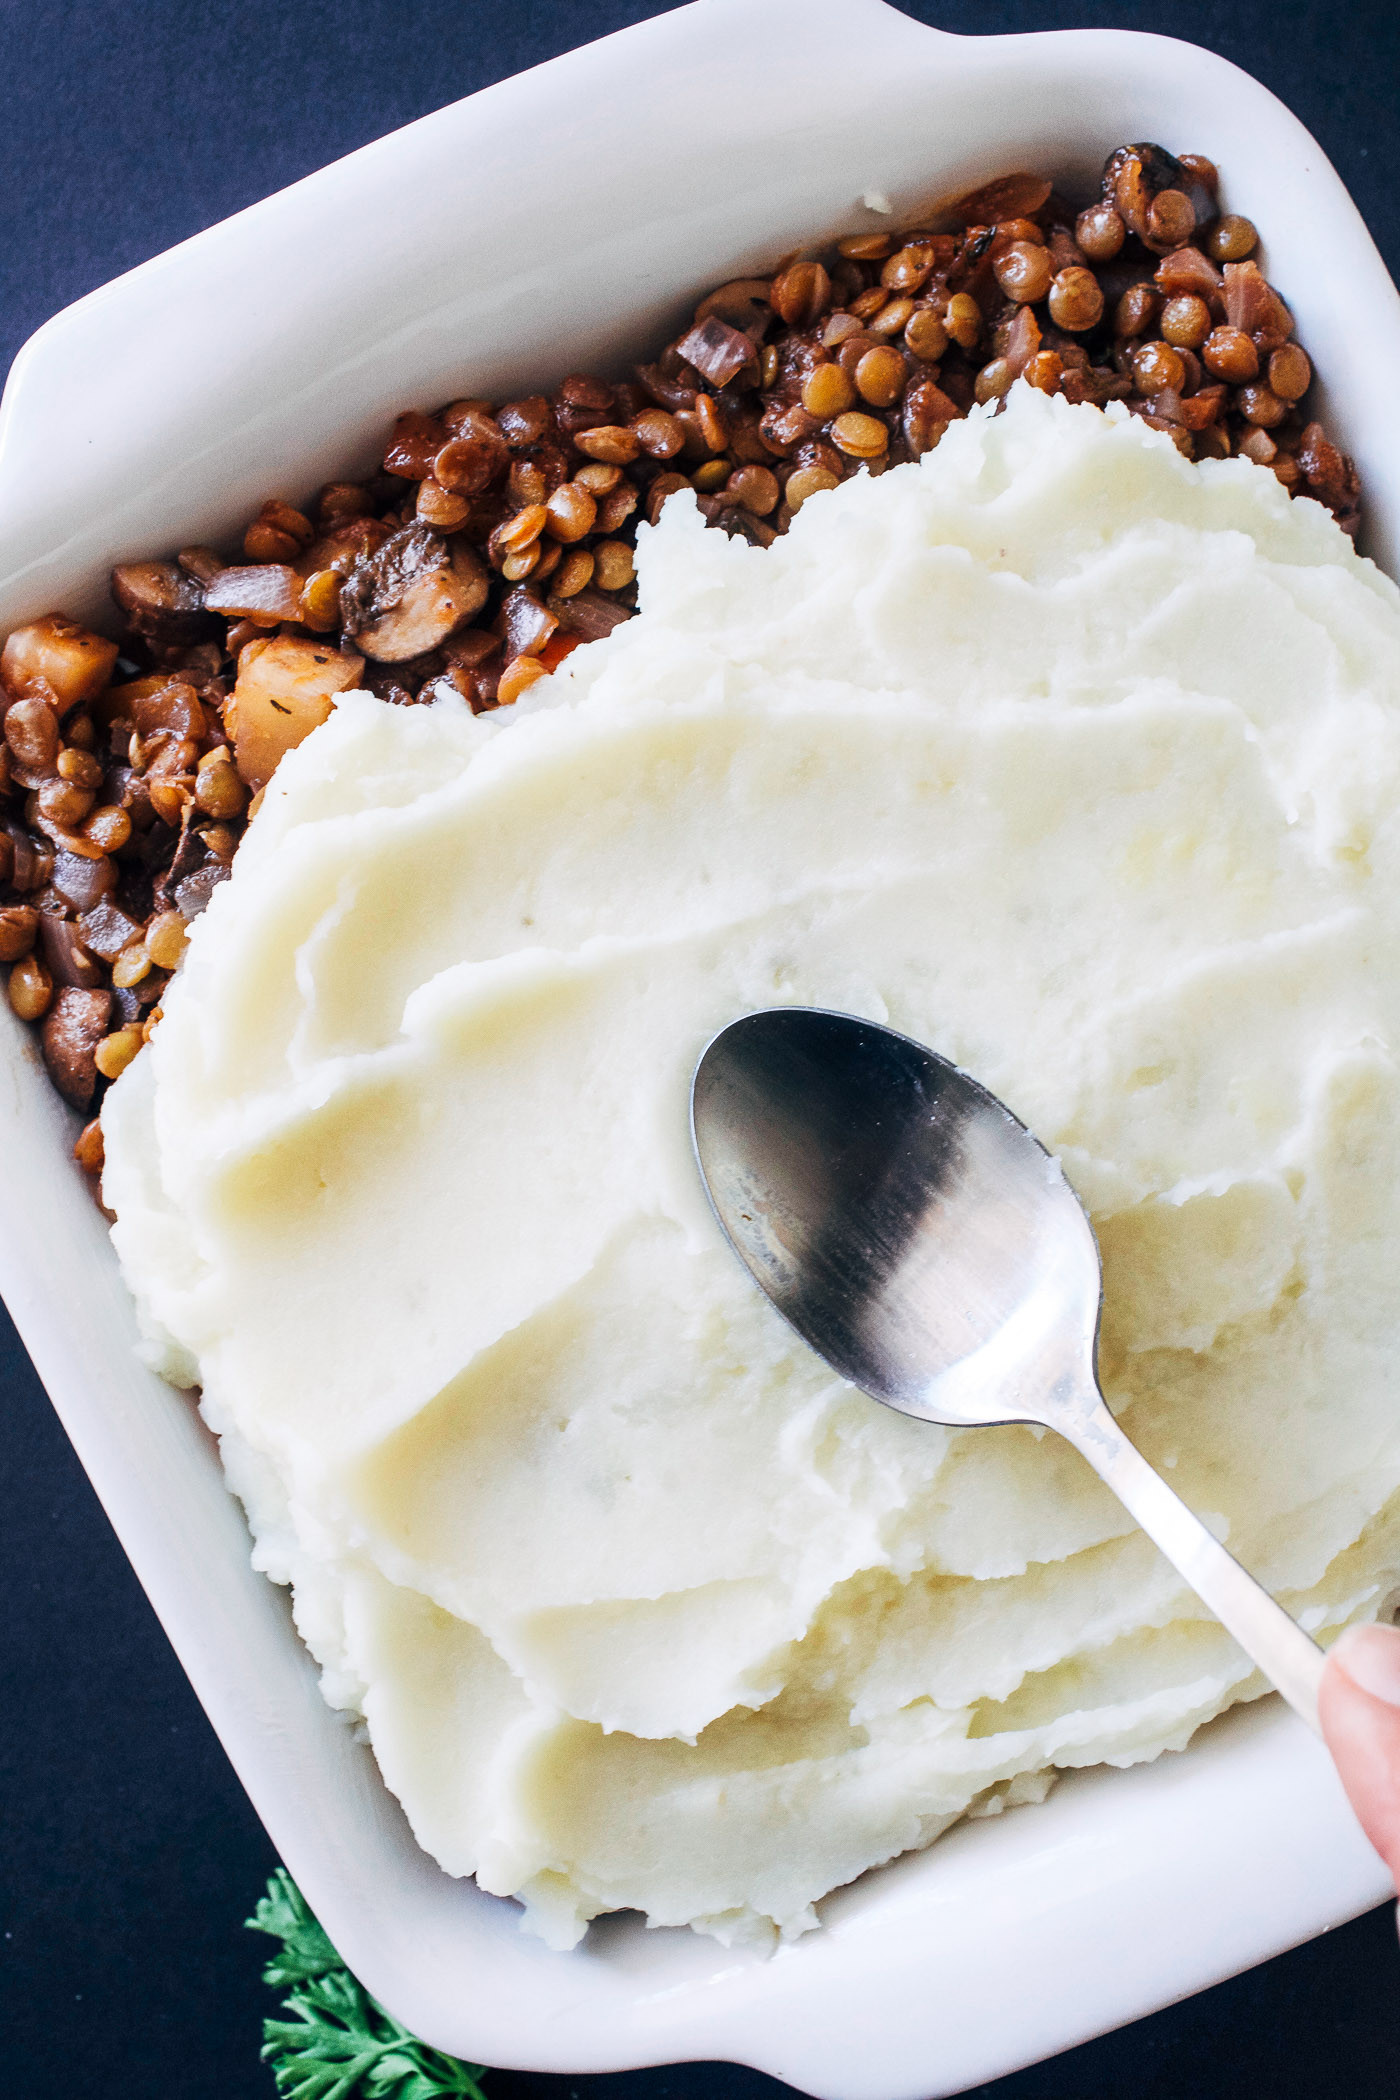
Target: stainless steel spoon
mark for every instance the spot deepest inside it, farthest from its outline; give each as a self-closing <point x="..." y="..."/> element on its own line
<point x="930" y="1249"/>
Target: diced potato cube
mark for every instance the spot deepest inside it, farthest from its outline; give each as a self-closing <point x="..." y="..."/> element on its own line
<point x="53" y="655"/>
<point x="285" y="689"/>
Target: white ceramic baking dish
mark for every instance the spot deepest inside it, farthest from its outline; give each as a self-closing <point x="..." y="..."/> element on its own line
<point x="557" y="221"/>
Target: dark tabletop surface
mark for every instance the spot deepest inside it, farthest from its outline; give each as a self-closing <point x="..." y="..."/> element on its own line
<point x="128" y="1853"/>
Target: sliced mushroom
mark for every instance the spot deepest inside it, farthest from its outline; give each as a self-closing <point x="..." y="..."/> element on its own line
<point x="73" y="1028"/>
<point x="377" y="580"/>
<point x="432" y="607"/>
<point x="200" y="562"/>
<point x="63" y="951"/>
<point x="161" y="602"/>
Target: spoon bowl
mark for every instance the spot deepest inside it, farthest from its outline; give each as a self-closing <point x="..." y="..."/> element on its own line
<point x="897" y="1214"/>
<point x="930" y="1249"/>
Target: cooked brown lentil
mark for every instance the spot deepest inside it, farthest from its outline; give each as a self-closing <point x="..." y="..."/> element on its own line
<point x="1075" y="299"/>
<point x="1100" y="231"/>
<point x="1185" y="321"/>
<point x="1231" y="355"/>
<point x="1024" y="272"/>
<point x="497" y="537"/>
<point x="1290" y="372"/>
<point x="1231" y="239"/>
<point x="1261" y="405"/>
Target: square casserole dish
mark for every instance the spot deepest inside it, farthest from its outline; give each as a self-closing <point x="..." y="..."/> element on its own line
<point x="267" y="355"/>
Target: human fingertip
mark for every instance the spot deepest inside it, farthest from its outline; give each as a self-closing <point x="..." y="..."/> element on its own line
<point x="1370" y="1657"/>
<point x="1359" y="1707"/>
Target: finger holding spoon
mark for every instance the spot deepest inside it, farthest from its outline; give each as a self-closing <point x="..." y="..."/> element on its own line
<point x="1359" y="1705"/>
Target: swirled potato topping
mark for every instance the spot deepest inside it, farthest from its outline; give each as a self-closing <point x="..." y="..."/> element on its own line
<point x="1074" y="759"/>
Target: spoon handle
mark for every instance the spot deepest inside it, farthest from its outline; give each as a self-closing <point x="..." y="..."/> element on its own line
<point x="1290" y="1658"/>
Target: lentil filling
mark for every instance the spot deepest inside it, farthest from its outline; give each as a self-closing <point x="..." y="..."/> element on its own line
<point x="498" y="536"/>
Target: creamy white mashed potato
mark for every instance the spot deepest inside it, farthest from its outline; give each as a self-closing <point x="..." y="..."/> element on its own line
<point x="1074" y="760"/>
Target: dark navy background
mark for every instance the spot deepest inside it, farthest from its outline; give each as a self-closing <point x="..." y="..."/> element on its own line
<point x="128" y="1854"/>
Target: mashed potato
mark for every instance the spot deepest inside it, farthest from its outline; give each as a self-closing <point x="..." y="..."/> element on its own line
<point x="1074" y="760"/>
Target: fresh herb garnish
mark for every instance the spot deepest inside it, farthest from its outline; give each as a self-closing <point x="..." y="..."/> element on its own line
<point x="341" y="2045"/>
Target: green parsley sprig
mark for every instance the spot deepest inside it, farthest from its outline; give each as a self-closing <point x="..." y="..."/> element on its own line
<point x="342" y="2044"/>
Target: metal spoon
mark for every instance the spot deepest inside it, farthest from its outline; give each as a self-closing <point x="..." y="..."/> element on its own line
<point x="930" y="1249"/>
